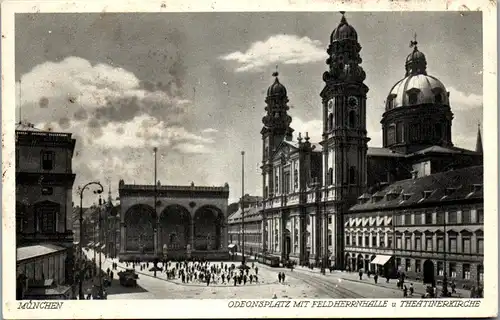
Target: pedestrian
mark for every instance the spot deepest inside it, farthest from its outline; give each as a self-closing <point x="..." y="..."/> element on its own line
<point x="473" y="292"/>
<point x="453" y="287"/>
<point x="411" y="289"/>
<point x="251" y="279"/>
<point x="256" y="270"/>
<point x="405" y="291"/>
<point x="245" y="279"/>
<point x="279" y="277"/>
<point x="256" y="279"/>
<point x="234" y="278"/>
<point x="283" y="277"/>
<point x="223" y="278"/>
<point x="375" y="278"/>
<point x="208" y="280"/>
<point x="360" y="275"/>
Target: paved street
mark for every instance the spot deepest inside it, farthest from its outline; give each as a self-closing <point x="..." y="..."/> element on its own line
<point x="299" y="284"/>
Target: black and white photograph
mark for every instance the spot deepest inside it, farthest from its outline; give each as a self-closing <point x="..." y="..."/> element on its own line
<point x="250" y="155"/>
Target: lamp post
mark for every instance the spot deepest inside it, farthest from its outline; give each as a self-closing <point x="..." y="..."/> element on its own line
<point x="243" y="206"/>
<point x="98" y="191"/>
<point x="99" y="271"/>
<point x="155" y="226"/>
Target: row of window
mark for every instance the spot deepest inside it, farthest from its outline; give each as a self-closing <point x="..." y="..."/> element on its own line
<point x="248" y="237"/>
<point x="440" y="269"/>
<point x="427" y="218"/>
<point x="352" y="121"/>
<point x="466" y="243"/>
<point x="351" y="176"/>
<point x="47" y="160"/>
<point x="413" y="98"/>
<point x="395" y="132"/>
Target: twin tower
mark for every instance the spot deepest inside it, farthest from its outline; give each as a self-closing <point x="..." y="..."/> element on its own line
<point x="344" y="136"/>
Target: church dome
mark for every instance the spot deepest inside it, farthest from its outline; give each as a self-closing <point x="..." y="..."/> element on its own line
<point x="417" y="90"/>
<point x="344" y="31"/>
<point x="276" y="89"/>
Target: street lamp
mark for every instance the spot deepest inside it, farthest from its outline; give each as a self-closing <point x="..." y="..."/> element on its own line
<point x="98" y="191"/>
<point x="155" y="225"/>
<point x="243" y="207"/>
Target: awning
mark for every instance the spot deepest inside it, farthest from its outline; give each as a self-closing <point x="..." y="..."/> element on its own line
<point x="231" y="245"/>
<point x="97" y="245"/>
<point x="103" y="246"/>
<point x="380" y="259"/>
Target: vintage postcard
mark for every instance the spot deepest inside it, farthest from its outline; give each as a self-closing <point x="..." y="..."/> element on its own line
<point x="171" y="159"/>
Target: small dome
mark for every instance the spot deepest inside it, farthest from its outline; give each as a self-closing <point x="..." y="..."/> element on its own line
<point x="416" y="90"/>
<point x="343" y="31"/>
<point x="415" y="55"/>
<point x="276" y="89"/>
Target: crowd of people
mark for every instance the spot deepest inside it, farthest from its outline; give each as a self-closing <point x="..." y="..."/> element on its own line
<point x="199" y="271"/>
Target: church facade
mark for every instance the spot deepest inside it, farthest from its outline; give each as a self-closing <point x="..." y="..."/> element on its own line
<point x="312" y="191"/>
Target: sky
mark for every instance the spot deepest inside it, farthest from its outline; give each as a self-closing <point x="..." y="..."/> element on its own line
<point x="194" y="84"/>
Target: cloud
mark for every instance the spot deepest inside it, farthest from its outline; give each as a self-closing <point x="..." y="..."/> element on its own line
<point x="210" y="130"/>
<point x="287" y="49"/>
<point x="74" y="89"/>
<point x="115" y="118"/>
<point x="314" y="128"/>
<point x="464" y="101"/>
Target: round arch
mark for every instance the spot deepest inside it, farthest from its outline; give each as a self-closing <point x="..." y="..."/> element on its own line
<point x="175" y="228"/>
<point x="139" y="234"/>
<point x="208" y="223"/>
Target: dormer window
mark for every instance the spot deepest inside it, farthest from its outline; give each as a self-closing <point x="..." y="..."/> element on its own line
<point x="391" y="195"/>
<point x="477" y="187"/>
<point x="450" y="191"/>
<point x="426" y="194"/>
<point x="438" y="95"/>
<point x="390" y="102"/>
<point x="412" y="98"/>
<point x="438" y="98"/>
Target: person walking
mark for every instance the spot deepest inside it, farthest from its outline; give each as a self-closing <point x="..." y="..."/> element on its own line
<point x="405" y="291"/>
<point x="411" y="289"/>
<point x="360" y="274"/>
<point x="256" y="270"/>
<point x="453" y="287"/>
<point x="279" y="277"/>
<point x="283" y="277"/>
<point x="375" y="278"/>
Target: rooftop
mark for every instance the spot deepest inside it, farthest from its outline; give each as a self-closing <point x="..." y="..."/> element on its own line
<point x="460" y="184"/>
<point x="38" y="250"/>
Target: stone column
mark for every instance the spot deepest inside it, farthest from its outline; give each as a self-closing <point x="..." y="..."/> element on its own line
<point x="191" y="235"/>
<point x="123" y="231"/>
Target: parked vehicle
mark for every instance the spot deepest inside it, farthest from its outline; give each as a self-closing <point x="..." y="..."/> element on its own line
<point x="128" y="278"/>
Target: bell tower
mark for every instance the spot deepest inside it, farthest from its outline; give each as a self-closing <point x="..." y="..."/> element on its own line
<point x="345" y="141"/>
<point x="276" y="129"/>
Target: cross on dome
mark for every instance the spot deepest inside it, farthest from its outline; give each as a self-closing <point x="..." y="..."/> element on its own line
<point x="413" y="43"/>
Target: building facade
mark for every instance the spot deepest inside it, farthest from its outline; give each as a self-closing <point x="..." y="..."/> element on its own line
<point x="188" y="222"/>
<point x="251" y="234"/>
<point x="312" y="192"/>
<point x="44" y="211"/>
<point x="423" y="227"/>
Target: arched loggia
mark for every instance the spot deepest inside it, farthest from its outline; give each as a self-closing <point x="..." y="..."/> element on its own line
<point x="174" y="228"/>
<point x="208" y="224"/>
<point x="139" y="233"/>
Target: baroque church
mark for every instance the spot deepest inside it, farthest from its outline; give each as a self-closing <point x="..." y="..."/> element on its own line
<point x="310" y="188"/>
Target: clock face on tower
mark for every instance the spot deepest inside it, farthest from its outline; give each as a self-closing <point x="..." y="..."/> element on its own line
<point x="352" y="103"/>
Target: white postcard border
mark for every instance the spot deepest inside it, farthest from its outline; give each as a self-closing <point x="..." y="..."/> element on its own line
<point x="220" y="308"/>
